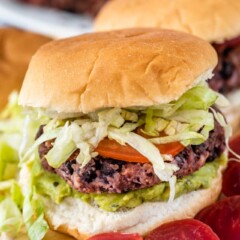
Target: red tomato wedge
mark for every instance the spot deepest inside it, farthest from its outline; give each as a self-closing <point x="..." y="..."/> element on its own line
<point x="116" y="236"/>
<point x="223" y="217"/>
<point x="187" y="229"/>
<point x="231" y="179"/>
<point x="112" y="149"/>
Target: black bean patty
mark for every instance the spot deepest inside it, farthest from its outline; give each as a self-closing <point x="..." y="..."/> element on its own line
<point x="227" y="73"/>
<point x="114" y="176"/>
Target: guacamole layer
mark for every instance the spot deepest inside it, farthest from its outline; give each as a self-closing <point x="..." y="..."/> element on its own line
<point x="52" y="186"/>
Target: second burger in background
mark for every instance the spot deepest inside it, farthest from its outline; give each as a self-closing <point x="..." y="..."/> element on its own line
<point x="215" y="21"/>
<point x="130" y="124"/>
<point x="90" y="7"/>
<point x="17" y="48"/>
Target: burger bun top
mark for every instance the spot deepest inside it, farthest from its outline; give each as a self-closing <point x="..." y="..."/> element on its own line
<point x="214" y="21"/>
<point x="126" y="68"/>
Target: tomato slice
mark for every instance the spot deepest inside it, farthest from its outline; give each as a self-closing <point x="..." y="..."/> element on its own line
<point x="223" y="217"/>
<point x="186" y="229"/>
<point x="112" y="149"/>
<point x="116" y="236"/>
<point x="231" y="179"/>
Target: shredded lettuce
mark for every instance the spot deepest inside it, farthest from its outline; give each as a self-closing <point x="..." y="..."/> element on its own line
<point x="11" y="199"/>
<point x="146" y="148"/>
<point x="58" y="155"/>
<point x="8" y="161"/>
<point x="12" y="110"/>
<point x="33" y="216"/>
<point x="10" y="207"/>
<point x="10" y="217"/>
<point x="129" y="116"/>
<point x="150" y="124"/>
<point x="30" y="128"/>
<point x="33" y="210"/>
<point x="222" y="101"/>
<point x="189" y="113"/>
<point x="199" y="97"/>
<point x="228" y="132"/>
<point x="172" y="185"/>
<point x="129" y="127"/>
<point x="186" y="120"/>
<point x="11" y="121"/>
<point x="221" y="120"/>
<point x="16" y="135"/>
<point x="16" y="194"/>
<point x="39" y="228"/>
<point x="181" y="137"/>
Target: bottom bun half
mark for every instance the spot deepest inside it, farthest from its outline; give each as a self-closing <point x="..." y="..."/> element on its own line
<point x="82" y="220"/>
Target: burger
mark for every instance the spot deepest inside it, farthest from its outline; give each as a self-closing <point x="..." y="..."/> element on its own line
<point x="90" y="7"/>
<point x="130" y="135"/>
<point x="15" y="58"/>
<point x="214" y="21"/>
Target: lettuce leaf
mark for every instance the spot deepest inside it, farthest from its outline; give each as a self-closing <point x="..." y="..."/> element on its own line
<point x="33" y="216"/>
<point x="10" y="217"/>
<point x="11" y="122"/>
<point x="38" y="229"/>
<point x="8" y="161"/>
<point x="33" y="208"/>
<point x="186" y="120"/>
<point x="10" y="207"/>
<point x="58" y="154"/>
<point x="11" y="199"/>
<point x="147" y="149"/>
<point x="17" y="134"/>
<point x="199" y="97"/>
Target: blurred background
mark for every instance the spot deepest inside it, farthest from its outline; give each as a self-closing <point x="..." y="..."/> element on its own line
<point x="25" y="25"/>
<point x="39" y="21"/>
<point x="55" y="18"/>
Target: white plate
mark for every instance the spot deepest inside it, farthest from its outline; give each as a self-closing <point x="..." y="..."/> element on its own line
<point x="46" y="21"/>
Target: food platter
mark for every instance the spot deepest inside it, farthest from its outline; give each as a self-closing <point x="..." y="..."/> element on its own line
<point x="46" y="21"/>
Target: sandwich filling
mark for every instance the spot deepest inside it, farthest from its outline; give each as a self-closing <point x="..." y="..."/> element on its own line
<point x="227" y="73"/>
<point x="54" y="187"/>
<point x="116" y="176"/>
<point x="115" y="153"/>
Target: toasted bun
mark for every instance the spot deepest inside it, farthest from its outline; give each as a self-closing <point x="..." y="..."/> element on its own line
<point x="81" y="220"/>
<point x="134" y="67"/>
<point x="17" y="48"/>
<point x="213" y="21"/>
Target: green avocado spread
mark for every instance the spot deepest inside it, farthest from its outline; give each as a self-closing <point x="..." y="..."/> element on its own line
<point x="51" y="185"/>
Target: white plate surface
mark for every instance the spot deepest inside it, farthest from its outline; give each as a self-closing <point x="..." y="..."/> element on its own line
<point x="46" y="21"/>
